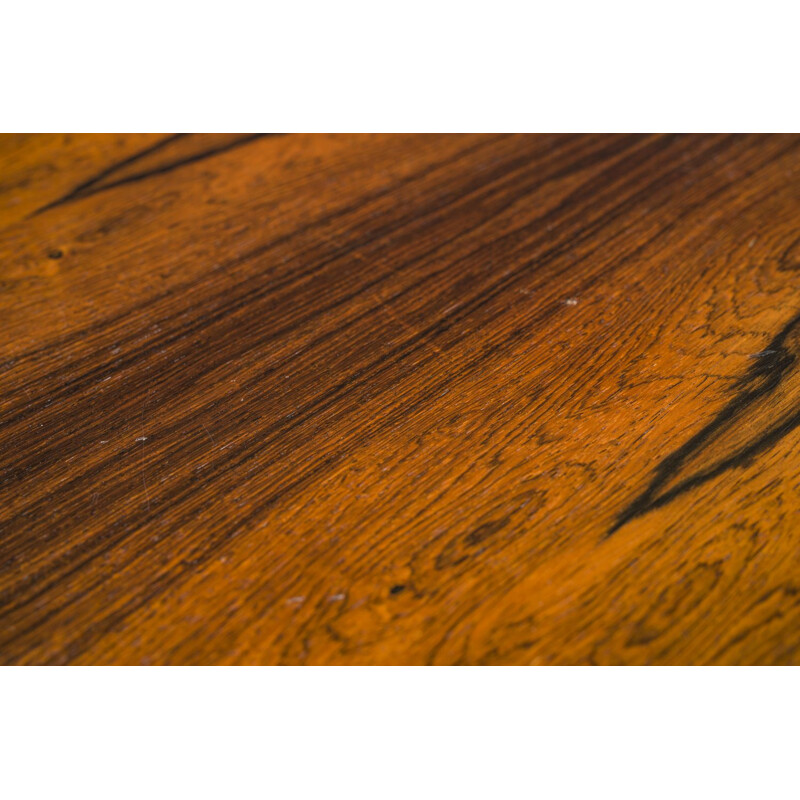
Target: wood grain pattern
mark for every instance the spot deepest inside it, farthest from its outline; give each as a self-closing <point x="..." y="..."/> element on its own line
<point x="399" y="399"/>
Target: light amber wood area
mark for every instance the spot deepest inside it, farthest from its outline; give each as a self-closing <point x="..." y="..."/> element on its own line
<point x="397" y="399"/>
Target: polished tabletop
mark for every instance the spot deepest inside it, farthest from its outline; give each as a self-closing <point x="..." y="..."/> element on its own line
<point x="399" y="399"/>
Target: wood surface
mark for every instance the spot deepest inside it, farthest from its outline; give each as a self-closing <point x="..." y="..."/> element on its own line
<point x="397" y="399"/>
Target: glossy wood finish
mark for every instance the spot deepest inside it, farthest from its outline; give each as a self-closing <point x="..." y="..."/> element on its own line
<point x="399" y="399"/>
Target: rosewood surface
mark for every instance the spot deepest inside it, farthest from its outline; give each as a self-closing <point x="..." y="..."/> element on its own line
<point x="395" y="399"/>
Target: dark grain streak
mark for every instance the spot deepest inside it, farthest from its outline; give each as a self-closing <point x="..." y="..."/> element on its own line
<point x="90" y="187"/>
<point x="774" y="365"/>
